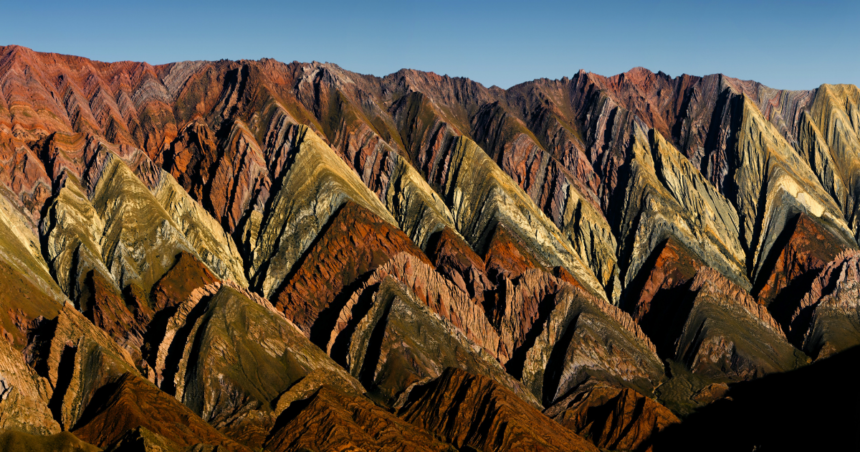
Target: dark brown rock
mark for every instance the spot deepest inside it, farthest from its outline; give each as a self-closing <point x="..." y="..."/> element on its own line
<point x="476" y="412"/>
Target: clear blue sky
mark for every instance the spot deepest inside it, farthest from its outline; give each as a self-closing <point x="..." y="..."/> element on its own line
<point x="784" y="44"/>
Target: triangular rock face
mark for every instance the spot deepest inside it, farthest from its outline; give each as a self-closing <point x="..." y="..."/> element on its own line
<point x="662" y="287"/>
<point x="24" y="395"/>
<point x="132" y="403"/>
<point x="455" y="260"/>
<point x="613" y="418"/>
<point x="355" y="243"/>
<point x="77" y="358"/>
<point x="331" y="420"/>
<point x="724" y="331"/>
<point x="507" y="257"/>
<point x="476" y="412"/>
<point x="234" y="360"/>
<point x="828" y="317"/>
<point x="803" y="249"/>
<point x="400" y="342"/>
<point x="177" y="284"/>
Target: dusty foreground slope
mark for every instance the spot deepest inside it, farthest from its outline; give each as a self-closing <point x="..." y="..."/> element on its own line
<point x="251" y="255"/>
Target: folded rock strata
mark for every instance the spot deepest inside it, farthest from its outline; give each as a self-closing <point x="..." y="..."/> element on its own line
<point x="233" y="359"/>
<point x="613" y="418"/>
<point x="476" y="412"/>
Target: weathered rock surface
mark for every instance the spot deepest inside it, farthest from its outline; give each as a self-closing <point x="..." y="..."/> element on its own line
<point x="827" y="316"/>
<point x="727" y="335"/>
<point x="233" y="359"/>
<point x="77" y="358"/>
<point x="331" y="420"/>
<point x="563" y="337"/>
<point x="455" y="260"/>
<point x="613" y="418"/>
<point x="400" y="342"/>
<point x="134" y="403"/>
<point x="177" y="284"/>
<point x="476" y="412"/>
<point x="354" y="243"/>
<point x="24" y="395"/>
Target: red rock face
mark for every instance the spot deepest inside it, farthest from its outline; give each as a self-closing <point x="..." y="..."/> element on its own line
<point x="807" y="248"/>
<point x="354" y="243"/>
<point x="456" y="261"/>
<point x="123" y="316"/>
<point x="662" y="299"/>
<point x="330" y="420"/>
<point x="177" y="284"/>
<point x="613" y="418"/>
<point x="673" y="266"/>
<point x="133" y="402"/>
<point x="477" y="412"/>
<point x="506" y="257"/>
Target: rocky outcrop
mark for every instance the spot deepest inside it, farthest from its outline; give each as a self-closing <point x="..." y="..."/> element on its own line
<point x="724" y="332"/>
<point x="476" y="412"/>
<point x="429" y="288"/>
<point x="613" y="418"/>
<point x="797" y="258"/>
<point x="562" y="337"/>
<point x="331" y="420"/>
<point x="316" y="184"/>
<point x="455" y="260"/>
<point x="24" y="395"/>
<point x="400" y="342"/>
<point x="826" y="320"/>
<point x="233" y="359"/>
<point x="354" y="242"/>
<point x="132" y="403"/>
<point x="177" y="284"/>
<point x="77" y="358"/>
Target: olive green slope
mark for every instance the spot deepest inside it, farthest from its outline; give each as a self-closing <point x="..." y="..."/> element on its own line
<point x="828" y="138"/>
<point x="315" y="185"/>
<point x="481" y="196"/>
<point x="214" y="247"/>
<point x="400" y="342"/>
<point x="665" y="196"/>
<point x="234" y="360"/>
<point x="28" y="291"/>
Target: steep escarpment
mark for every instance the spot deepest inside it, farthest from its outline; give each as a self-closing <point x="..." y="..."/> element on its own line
<point x="251" y="254"/>
<point x="234" y="360"/>
<point x="826" y="318"/>
<point x="471" y="411"/>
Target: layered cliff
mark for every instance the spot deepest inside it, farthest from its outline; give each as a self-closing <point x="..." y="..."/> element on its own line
<point x="252" y="254"/>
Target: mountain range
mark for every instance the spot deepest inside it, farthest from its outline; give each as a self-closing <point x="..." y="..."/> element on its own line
<point x="252" y="255"/>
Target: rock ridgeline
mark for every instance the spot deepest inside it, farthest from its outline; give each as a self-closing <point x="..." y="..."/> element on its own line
<point x="249" y="255"/>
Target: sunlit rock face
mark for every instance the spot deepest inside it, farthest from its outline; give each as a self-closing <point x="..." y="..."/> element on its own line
<point x="238" y="255"/>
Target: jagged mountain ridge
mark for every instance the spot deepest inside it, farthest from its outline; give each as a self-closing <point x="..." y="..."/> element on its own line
<point x="557" y="235"/>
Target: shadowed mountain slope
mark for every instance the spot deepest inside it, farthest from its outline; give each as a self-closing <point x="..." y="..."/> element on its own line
<point x="254" y="254"/>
